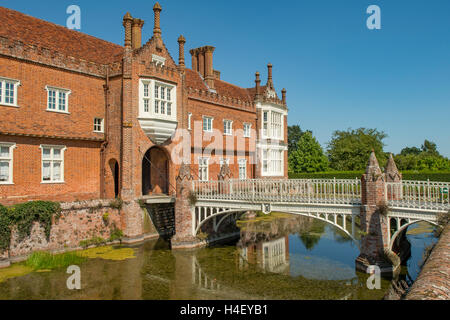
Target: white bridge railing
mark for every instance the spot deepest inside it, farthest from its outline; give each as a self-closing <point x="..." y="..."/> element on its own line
<point x="425" y="195"/>
<point x="314" y="191"/>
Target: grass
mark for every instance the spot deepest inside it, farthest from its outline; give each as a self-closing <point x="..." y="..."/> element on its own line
<point x="48" y="261"/>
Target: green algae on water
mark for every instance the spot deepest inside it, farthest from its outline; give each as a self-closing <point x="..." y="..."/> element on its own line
<point x="108" y="253"/>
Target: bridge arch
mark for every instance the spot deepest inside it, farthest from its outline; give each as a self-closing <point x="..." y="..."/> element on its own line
<point x="404" y="227"/>
<point x="206" y="214"/>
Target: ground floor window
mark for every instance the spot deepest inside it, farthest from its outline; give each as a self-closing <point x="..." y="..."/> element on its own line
<point x="6" y="163"/>
<point x="53" y="164"/>
<point x="272" y="162"/>
<point x="242" y="169"/>
<point x="203" y="169"/>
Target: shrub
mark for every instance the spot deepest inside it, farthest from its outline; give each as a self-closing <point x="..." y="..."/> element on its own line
<point x="116" y="204"/>
<point x="116" y="234"/>
<point x="5" y="229"/>
<point x="192" y="198"/>
<point x="95" y="241"/>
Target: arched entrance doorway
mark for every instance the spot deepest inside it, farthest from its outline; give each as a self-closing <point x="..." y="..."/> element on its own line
<point x="155" y="172"/>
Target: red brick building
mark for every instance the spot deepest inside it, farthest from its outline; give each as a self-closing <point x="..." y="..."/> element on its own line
<point x="82" y="118"/>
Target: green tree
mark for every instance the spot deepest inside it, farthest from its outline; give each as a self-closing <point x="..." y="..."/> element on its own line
<point x="294" y="135"/>
<point x="425" y="159"/>
<point x="349" y="150"/>
<point x="309" y="156"/>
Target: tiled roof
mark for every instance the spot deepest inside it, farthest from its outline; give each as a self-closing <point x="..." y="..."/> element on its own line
<point x="33" y="31"/>
<point x="194" y="80"/>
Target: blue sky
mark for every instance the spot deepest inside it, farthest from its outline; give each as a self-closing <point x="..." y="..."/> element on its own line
<point x="338" y="73"/>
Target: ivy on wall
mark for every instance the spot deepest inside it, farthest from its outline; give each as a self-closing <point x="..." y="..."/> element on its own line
<point x="23" y="216"/>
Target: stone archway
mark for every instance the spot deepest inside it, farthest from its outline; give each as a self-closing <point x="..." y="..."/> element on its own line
<point x="155" y="172"/>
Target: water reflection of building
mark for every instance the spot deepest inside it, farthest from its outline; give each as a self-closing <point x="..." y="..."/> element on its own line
<point x="270" y="255"/>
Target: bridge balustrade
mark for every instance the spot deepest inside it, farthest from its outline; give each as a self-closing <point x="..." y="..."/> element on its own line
<point x="426" y="195"/>
<point x="314" y="191"/>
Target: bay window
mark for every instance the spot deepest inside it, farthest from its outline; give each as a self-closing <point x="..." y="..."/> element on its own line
<point x="157" y="100"/>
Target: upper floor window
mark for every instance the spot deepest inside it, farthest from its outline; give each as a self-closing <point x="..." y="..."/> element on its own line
<point x="276" y="125"/>
<point x="207" y="124"/>
<point x="203" y="169"/>
<point x="224" y="161"/>
<point x="265" y="123"/>
<point x="6" y="162"/>
<point x="157" y="99"/>
<point x="247" y="130"/>
<point x="8" y="91"/>
<point x="228" y="127"/>
<point x="57" y="99"/>
<point x="53" y="164"/>
<point x="272" y="125"/>
<point x="98" y="125"/>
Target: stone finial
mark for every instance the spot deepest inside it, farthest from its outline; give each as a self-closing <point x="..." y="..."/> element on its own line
<point x="373" y="170"/>
<point x="225" y="172"/>
<point x="181" y="42"/>
<point x="185" y="172"/>
<point x="127" y="23"/>
<point x="391" y="171"/>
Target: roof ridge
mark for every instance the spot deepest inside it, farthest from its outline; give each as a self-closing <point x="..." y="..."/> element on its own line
<point x="60" y="26"/>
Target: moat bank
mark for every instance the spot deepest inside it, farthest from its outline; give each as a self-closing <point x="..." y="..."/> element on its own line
<point x="284" y="258"/>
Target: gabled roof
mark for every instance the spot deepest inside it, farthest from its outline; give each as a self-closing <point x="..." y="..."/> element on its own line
<point x="194" y="80"/>
<point x="33" y="31"/>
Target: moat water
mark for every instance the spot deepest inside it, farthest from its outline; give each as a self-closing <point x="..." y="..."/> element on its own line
<point x="283" y="258"/>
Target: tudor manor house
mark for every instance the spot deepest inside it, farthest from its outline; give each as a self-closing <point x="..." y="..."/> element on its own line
<point x="83" y="118"/>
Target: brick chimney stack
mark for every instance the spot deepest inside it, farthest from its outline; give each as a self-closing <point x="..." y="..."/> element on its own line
<point x="127" y="23"/>
<point x="209" y="71"/>
<point x="157" y="28"/>
<point x="181" y="42"/>
<point x="258" y="86"/>
<point x="283" y="94"/>
<point x="201" y="61"/>
<point x="269" y="79"/>
<point x="194" y="55"/>
<point x="136" y="37"/>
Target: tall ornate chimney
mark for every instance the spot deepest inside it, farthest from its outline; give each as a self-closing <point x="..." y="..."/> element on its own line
<point x="157" y="28"/>
<point x="136" y="37"/>
<point x="209" y="71"/>
<point x="127" y="23"/>
<point x="181" y="42"/>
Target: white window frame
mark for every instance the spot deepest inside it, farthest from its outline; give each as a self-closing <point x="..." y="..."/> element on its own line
<point x="272" y="162"/>
<point x="189" y="121"/>
<point x="10" y="160"/>
<point x="203" y="164"/>
<point x="270" y="128"/>
<point x="155" y="98"/>
<point x="227" y="127"/>
<point x="242" y="167"/>
<point x="223" y="161"/>
<point x="16" y="84"/>
<point x="102" y="125"/>
<point x="247" y="133"/>
<point x="212" y="124"/>
<point x="57" y="90"/>
<point x="52" y="161"/>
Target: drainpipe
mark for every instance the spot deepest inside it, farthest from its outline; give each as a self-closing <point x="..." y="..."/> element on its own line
<point x="105" y="142"/>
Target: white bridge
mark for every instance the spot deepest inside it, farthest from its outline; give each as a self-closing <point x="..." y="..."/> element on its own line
<point x="334" y="201"/>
